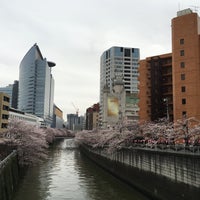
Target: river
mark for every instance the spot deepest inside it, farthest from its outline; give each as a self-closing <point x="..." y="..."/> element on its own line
<point x="69" y="175"/>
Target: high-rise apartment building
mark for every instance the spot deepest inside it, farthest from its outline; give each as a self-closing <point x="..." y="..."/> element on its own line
<point x="36" y="85"/>
<point x="186" y="64"/>
<point x="169" y="84"/>
<point x="75" y="122"/>
<point x="120" y="62"/>
<point x="155" y="88"/>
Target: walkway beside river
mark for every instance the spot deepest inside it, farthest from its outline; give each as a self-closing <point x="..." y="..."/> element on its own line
<point x="69" y="175"/>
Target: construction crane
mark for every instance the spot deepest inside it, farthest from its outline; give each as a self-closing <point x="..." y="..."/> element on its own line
<point x="77" y="110"/>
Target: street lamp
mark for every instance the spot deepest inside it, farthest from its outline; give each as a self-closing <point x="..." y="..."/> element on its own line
<point x="167" y="105"/>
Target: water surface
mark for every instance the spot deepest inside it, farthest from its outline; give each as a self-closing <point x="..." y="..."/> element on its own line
<point x="69" y="175"/>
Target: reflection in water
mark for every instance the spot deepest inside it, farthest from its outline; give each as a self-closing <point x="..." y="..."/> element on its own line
<point x="68" y="175"/>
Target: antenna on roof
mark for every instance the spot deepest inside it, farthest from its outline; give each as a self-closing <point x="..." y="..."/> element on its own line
<point x="179" y="6"/>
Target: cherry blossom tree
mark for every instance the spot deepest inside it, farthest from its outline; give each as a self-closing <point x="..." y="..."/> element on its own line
<point x="161" y="132"/>
<point x="158" y="132"/>
<point x="53" y="133"/>
<point x="29" y="141"/>
<point x="110" y="139"/>
<point x="187" y="129"/>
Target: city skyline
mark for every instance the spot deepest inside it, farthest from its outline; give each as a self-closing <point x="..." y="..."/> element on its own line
<point x="75" y="34"/>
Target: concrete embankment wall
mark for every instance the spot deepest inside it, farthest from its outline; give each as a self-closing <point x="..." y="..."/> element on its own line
<point x="160" y="175"/>
<point x="9" y="176"/>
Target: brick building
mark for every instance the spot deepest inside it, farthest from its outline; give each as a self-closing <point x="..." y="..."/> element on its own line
<point x="169" y="84"/>
<point x="92" y="117"/>
<point x="155" y="88"/>
<point x="186" y="64"/>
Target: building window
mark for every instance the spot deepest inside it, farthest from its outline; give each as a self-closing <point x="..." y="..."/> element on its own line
<point x="5" y="107"/>
<point x="184" y="113"/>
<point x="127" y="53"/>
<point x="181" y="41"/>
<point x="4" y="125"/>
<point x="183" y="101"/>
<point x="182" y="53"/>
<point x="182" y="64"/>
<point x="6" y="99"/>
<point x="182" y="76"/>
<point x="183" y="89"/>
<point x="4" y="116"/>
<point x="106" y="54"/>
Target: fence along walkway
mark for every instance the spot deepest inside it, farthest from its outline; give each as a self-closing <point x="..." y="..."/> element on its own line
<point x="9" y="176"/>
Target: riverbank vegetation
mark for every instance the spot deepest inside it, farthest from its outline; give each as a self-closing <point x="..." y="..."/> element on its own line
<point x="185" y="132"/>
<point x="30" y="141"/>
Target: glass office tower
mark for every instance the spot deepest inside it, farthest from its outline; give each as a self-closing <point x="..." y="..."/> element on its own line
<point x="36" y="85"/>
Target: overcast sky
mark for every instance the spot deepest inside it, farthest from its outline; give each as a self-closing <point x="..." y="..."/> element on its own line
<point x="74" y="34"/>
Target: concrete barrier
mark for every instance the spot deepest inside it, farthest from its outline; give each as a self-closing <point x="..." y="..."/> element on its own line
<point x="157" y="174"/>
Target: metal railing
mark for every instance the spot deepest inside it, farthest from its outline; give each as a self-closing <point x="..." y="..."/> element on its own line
<point x="177" y="148"/>
<point x="5" y="160"/>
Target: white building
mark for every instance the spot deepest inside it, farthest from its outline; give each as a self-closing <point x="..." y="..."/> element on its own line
<point x="28" y="118"/>
<point x="120" y="62"/>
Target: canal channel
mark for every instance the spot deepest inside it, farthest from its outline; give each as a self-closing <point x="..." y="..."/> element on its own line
<point x="69" y="175"/>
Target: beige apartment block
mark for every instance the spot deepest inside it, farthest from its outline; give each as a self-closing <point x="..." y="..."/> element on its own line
<point x="4" y="111"/>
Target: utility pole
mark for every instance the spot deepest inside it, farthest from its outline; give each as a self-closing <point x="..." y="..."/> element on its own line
<point x="167" y="106"/>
